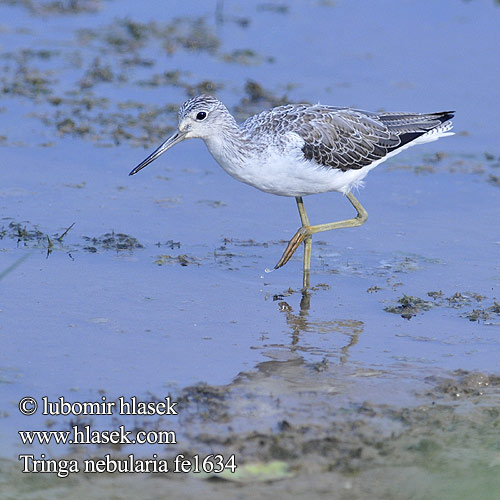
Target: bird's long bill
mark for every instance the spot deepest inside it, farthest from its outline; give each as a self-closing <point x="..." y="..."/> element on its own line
<point x="171" y="141"/>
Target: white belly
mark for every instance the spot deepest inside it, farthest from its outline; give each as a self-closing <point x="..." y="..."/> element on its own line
<point x="298" y="178"/>
<point x="287" y="173"/>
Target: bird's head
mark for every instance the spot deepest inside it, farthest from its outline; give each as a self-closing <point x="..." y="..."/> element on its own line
<point x="197" y="117"/>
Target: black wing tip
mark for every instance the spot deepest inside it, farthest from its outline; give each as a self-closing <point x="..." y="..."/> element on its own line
<point x="444" y="116"/>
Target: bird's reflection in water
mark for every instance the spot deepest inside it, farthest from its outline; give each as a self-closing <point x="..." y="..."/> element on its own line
<point x="300" y="322"/>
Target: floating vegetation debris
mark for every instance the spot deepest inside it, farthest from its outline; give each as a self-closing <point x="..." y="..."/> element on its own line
<point x="274" y="7"/>
<point x="58" y="6"/>
<point x="212" y="203"/>
<point x="69" y="126"/>
<point x="409" y="306"/>
<point x="257" y="98"/>
<point x="179" y="79"/>
<point x="170" y="243"/>
<point x="32" y="237"/>
<point x="125" y="36"/>
<point x="484" y="314"/>
<point x="258" y="472"/>
<point x="26" y="82"/>
<point x="98" y="72"/>
<point x="247" y="57"/>
<point x="60" y="238"/>
<point x="183" y="260"/>
<point x="494" y="179"/>
<point x="134" y="122"/>
<point x="190" y="34"/>
<point x="111" y="241"/>
<point x="458" y="299"/>
<point x="75" y="83"/>
<point x="464" y="384"/>
<point x="243" y="243"/>
<point x="22" y="233"/>
<point x="494" y="161"/>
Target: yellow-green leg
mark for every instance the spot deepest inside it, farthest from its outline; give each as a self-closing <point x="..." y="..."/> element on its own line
<point x="307" y="243"/>
<point x="304" y="234"/>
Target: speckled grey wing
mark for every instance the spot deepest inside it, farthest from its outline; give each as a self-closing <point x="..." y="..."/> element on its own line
<point x="347" y="138"/>
<point x="344" y="138"/>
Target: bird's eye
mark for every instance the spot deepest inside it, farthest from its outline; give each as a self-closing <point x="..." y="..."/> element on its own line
<point x="201" y="115"/>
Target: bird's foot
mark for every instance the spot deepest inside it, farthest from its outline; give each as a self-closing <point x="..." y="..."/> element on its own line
<point x="293" y="244"/>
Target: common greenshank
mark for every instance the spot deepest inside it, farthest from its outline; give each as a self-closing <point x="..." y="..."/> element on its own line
<point x="301" y="149"/>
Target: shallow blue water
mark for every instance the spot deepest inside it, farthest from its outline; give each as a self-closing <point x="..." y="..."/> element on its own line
<point x="77" y="322"/>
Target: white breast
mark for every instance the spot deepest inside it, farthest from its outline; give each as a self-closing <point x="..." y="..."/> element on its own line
<point x="280" y="167"/>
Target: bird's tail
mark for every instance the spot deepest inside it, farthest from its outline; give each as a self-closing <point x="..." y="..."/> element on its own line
<point x="418" y="127"/>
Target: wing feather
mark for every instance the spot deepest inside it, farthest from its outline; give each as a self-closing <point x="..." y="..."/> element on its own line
<point x="344" y="138"/>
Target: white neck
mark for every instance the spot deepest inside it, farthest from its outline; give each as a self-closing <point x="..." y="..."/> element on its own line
<point x="229" y="147"/>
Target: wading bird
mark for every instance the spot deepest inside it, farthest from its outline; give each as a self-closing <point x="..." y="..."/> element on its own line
<point x="301" y="149"/>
